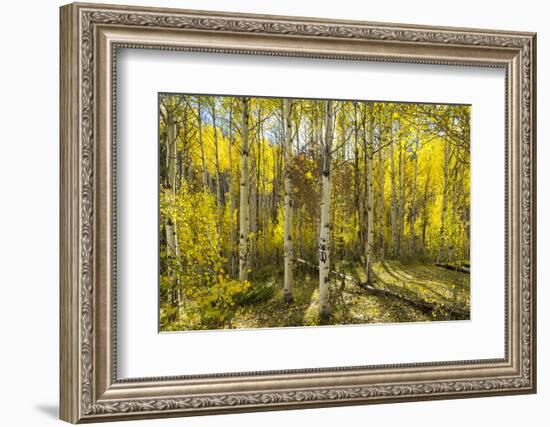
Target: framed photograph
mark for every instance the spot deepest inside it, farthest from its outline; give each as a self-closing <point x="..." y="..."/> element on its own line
<point x="267" y="212"/>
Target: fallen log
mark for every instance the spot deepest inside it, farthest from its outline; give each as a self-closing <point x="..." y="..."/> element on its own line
<point x="453" y="267"/>
<point x="418" y="303"/>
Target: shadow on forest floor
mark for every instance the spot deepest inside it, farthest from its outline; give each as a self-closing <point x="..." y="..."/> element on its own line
<point x="274" y="311"/>
<point x="352" y="305"/>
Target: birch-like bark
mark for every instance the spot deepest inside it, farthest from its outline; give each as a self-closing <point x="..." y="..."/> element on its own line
<point x="400" y="201"/>
<point x="442" y="230"/>
<point x="324" y="235"/>
<point x="356" y="180"/>
<point x="181" y="170"/>
<point x="425" y="216"/>
<point x="276" y="184"/>
<point x="264" y="200"/>
<point x="393" y="196"/>
<point x="252" y="193"/>
<point x="381" y="217"/>
<point x="412" y="216"/>
<point x="171" y="237"/>
<point x="244" y="207"/>
<point x="217" y="164"/>
<point x="257" y="192"/>
<point x="457" y="177"/>
<point x="231" y="195"/>
<point x="201" y="143"/>
<point x="288" y="244"/>
<point x="172" y="247"/>
<point x="370" y="203"/>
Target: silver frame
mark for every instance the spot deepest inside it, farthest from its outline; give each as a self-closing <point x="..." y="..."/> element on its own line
<point x="90" y="37"/>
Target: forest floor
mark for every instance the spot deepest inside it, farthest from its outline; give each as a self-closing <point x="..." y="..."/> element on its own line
<point x="411" y="288"/>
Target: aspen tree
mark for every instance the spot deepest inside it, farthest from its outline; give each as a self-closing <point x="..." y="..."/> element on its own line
<point x="288" y="244"/>
<point x="244" y="205"/>
<point x="442" y="229"/>
<point x="172" y="247"/>
<point x="400" y="199"/>
<point x="324" y="235"/>
<point x="381" y="217"/>
<point x="412" y="216"/>
<point x="370" y="200"/>
<point x="393" y="194"/>
<point x="201" y="144"/>
<point x="217" y="164"/>
<point x="356" y="178"/>
<point x="231" y="193"/>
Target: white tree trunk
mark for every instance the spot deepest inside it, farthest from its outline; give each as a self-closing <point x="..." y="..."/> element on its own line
<point x="356" y="181"/>
<point x="425" y="213"/>
<point x="171" y="236"/>
<point x="324" y="234"/>
<point x="201" y="143"/>
<point x="412" y="220"/>
<point x="288" y="244"/>
<point x="231" y="195"/>
<point x="172" y="247"/>
<point x="455" y="196"/>
<point x="401" y="201"/>
<point x="244" y="206"/>
<point x="370" y="204"/>
<point x="252" y="193"/>
<point x="442" y="231"/>
<point x="264" y="199"/>
<point x="217" y="160"/>
<point x="255" y="197"/>
<point x="393" y="196"/>
<point x="381" y="216"/>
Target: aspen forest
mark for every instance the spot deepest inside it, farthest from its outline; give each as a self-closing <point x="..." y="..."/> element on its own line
<point x="279" y="212"/>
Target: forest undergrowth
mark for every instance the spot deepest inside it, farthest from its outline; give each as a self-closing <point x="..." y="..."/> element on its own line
<point x="263" y="306"/>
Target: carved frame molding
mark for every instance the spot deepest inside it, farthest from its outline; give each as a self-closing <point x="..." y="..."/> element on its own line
<point x="90" y="36"/>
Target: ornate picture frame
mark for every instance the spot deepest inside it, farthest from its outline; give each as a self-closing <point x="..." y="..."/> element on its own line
<point x="90" y="37"/>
